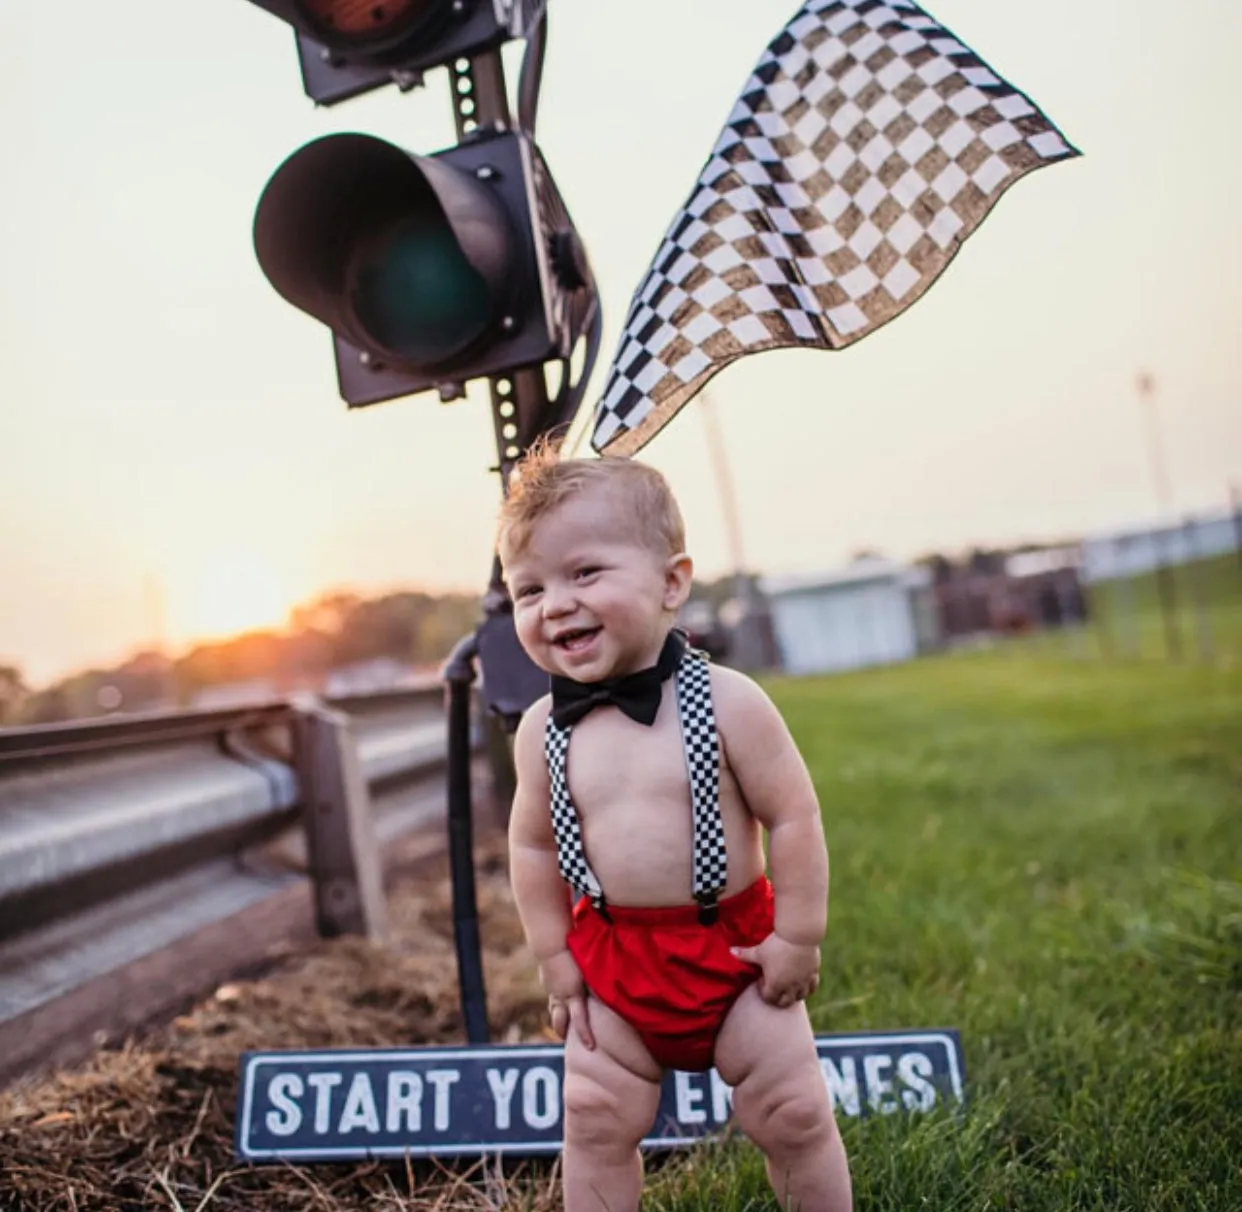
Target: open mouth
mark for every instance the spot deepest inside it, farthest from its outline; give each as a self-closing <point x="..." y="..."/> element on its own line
<point x="576" y="638"/>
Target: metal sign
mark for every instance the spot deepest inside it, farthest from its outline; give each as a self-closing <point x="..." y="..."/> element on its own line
<point x="344" y="1105"/>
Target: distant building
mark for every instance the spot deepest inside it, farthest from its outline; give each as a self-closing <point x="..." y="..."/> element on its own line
<point x="1110" y="555"/>
<point x="999" y="593"/>
<point x="872" y="613"/>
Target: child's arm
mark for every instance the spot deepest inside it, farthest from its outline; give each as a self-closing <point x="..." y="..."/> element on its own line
<point x="777" y="789"/>
<point x="542" y="897"/>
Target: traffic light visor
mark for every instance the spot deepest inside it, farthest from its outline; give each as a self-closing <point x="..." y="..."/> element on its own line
<point x="368" y="23"/>
<point x="402" y="255"/>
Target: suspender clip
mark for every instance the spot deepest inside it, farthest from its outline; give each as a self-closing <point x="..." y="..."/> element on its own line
<point x="709" y="911"/>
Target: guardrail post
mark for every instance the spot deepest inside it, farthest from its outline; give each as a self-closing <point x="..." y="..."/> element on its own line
<point x="336" y="812"/>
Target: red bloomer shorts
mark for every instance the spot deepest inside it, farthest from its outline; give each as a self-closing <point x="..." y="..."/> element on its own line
<point x="670" y="977"/>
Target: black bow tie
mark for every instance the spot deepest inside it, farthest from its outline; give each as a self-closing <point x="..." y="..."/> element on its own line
<point x="637" y="694"/>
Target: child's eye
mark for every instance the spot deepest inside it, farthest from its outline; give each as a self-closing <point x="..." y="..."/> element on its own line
<point x="588" y="570"/>
<point x="526" y="591"/>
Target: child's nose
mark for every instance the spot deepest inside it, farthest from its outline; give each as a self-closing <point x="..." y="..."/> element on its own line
<point x="557" y="600"/>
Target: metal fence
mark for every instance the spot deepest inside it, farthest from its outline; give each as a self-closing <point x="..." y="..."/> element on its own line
<point x="144" y="859"/>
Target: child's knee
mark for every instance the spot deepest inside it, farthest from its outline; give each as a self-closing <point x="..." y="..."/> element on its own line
<point x="787" y="1121"/>
<point x="802" y="1122"/>
<point x="597" y="1117"/>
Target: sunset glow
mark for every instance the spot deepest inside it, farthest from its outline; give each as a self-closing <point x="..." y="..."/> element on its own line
<point x="222" y="595"/>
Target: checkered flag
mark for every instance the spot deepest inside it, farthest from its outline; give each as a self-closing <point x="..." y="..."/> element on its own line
<point x="865" y="148"/>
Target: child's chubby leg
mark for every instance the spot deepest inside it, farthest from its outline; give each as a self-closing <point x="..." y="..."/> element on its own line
<point x="780" y="1100"/>
<point x="610" y="1098"/>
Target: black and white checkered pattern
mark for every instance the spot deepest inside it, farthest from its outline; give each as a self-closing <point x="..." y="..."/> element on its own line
<point x="702" y="748"/>
<point x="698" y="734"/>
<point x="866" y="147"/>
<point x="570" y="854"/>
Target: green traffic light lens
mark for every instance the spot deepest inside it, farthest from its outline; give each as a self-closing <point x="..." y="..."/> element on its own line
<point x="417" y="295"/>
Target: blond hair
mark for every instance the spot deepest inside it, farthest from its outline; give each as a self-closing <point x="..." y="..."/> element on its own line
<point x="542" y="481"/>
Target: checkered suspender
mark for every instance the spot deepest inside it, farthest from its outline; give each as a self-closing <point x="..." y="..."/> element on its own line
<point x="570" y="856"/>
<point x="702" y="748"/>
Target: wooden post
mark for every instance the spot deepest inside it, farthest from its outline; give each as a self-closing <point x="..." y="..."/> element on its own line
<point x="1131" y="641"/>
<point x="1235" y="506"/>
<point x="1073" y="617"/>
<point x="1166" y="589"/>
<point x="336" y="812"/>
<point x="1198" y="593"/>
<point x="1098" y="598"/>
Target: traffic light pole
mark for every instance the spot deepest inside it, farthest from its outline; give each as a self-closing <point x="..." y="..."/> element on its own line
<point x="346" y="228"/>
<point x="521" y="412"/>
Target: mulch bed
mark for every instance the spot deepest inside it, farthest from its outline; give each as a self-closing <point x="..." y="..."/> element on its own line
<point x="150" y="1124"/>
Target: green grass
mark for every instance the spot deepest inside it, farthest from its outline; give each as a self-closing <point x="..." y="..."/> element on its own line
<point x="1044" y="853"/>
<point x="1205" y="615"/>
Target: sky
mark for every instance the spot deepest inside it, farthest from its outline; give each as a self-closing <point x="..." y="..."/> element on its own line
<point x="175" y="462"/>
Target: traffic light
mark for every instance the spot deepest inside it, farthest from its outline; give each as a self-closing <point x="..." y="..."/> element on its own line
<point x="347" y="47"/>
<point x="429" y="270"/>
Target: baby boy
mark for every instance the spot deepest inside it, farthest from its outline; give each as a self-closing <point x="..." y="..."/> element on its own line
<point x="636" y="853"/>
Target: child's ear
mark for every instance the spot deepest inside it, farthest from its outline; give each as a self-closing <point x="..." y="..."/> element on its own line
<point x="678" y="575"/>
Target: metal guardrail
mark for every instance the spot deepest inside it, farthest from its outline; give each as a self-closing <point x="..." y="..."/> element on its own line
<point x="143" y="859"/>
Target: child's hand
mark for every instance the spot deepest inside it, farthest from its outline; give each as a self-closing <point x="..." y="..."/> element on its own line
<point x="790" y="970"/>
<point x="567" y="1004"/>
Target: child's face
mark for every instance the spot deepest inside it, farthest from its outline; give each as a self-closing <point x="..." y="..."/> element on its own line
<point x="590" y="601"/>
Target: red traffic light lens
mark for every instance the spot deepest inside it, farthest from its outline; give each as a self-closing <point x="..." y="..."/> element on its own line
<point x="358" y="22"/>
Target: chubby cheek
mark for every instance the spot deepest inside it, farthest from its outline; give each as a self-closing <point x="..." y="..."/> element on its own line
<point x="527" y="625"/>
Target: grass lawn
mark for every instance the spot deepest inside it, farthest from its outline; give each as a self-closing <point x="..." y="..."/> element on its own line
<point x="1045" y="853"/>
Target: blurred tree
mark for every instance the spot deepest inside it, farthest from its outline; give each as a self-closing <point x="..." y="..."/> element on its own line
<point x="444" y="621"/>
<point x="305" y="656"/>
<point x="143" y="682"/>
<point x="13" y="694"/>
<point x="246" y="658"/>
<point x="335" y="630"/>
<point x="386" y="626"/>
<point x="326" y="614"/>
<point x="48" y="706"/>
<point x="76" y="697"/>
<point x="941" y="566"/>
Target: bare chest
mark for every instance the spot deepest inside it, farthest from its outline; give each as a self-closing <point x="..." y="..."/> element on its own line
<point x="613" y="761"/>
<point x="630" y="786"/>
